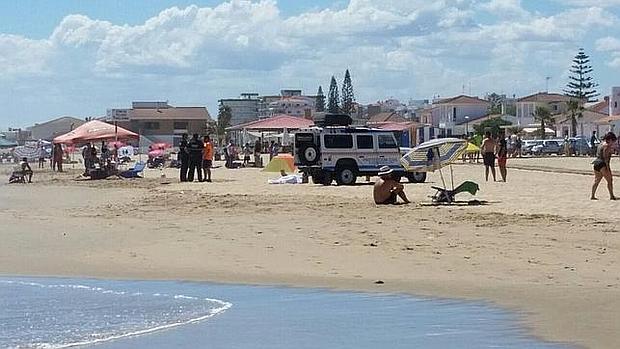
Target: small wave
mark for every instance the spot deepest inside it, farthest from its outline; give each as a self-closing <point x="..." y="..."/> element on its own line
<point x="222" y="307"/>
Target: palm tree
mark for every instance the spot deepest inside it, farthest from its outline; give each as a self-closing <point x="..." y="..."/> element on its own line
<point x="515" y="130"/>
<point x="575" y="108"/>
<point x="543" y="115"/>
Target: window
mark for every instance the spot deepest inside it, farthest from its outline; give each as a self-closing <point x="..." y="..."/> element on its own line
<point x="386" y="142"/>
<point x="453" y="113"/>
<point x="178" y="125"/>
<point x="555" y="107"/>
<point x="616" y="104"/>
<point x="365" y="142"/>
<point x="339" y="141"/>
<point x="151" y="125"/>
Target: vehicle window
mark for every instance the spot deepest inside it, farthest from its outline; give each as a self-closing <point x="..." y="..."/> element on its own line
<point x="386" y="141"/>
<point x="365" y="142"/>
<point x="339" y="141"/>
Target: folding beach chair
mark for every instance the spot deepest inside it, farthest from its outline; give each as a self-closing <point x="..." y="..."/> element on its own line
<point x="444" y="195"/>
<point x="134" y="172"/>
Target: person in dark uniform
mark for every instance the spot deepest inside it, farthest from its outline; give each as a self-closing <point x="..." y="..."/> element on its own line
<point x="195" y="148"/>
<point x="183" y="157"/>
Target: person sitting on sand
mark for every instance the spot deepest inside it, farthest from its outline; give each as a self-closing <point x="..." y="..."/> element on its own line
<point x="601" y="165"/>
<point x="387" y="190"/>
<point x="26" y="170"/>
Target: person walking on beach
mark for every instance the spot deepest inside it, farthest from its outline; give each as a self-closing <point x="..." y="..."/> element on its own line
<point x="502" y="157"/>
<point x="387" y="189"/>
<point x="601" y="165"/>
<point x="246" y="154"/>
<point x="207" y="158"/>
<point x="519" y="146"/>
<point x="195" y="148"/>
<point x="183" y="158"/>
<point x="87" y="155"/>
<point x="488" y="155"/>
<point x="257" y="153"/>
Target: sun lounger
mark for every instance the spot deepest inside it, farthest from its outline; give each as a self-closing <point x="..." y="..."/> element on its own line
<point x="134" y="172"/>
<point x="447" y="196"/>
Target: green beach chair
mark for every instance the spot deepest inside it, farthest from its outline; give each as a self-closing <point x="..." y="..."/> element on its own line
<point x="444" y="195"/>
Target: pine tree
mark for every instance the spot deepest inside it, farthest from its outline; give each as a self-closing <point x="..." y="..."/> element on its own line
<point x="333" y="98"/>
<point x="347" y="94"/>
<point x="224" y="115"/>
<point x="320" y="100"/>
<point x="581" y="85"/>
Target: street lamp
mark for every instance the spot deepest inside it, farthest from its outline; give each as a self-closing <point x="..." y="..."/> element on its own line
<point x="466" y="125"/>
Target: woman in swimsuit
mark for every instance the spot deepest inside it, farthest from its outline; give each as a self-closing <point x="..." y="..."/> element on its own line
<point x="601" y="165"/>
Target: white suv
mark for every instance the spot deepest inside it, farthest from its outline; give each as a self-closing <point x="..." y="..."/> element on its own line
<point x="343" y="153"/>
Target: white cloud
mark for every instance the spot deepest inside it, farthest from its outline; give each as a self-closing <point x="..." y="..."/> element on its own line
<point x="400" y="48"/>
<point x="590" y="3"/>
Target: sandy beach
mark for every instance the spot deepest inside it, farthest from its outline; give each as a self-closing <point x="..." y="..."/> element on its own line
<point x="539" y="246"/>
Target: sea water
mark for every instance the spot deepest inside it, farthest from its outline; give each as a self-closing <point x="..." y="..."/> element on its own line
<point x="63" y="312"/>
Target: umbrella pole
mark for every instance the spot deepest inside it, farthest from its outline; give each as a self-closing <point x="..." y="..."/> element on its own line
<point x="452" y="176"/>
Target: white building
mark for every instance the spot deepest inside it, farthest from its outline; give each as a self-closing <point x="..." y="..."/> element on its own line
<point x="614" y="101"/>
<point x="243" y="109"/>
<point x="526" y="106"/>
<point x="450" y="112"/>
<point x="301" y="106"/>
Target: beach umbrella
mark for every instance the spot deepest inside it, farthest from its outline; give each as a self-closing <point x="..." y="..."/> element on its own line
<point x="280" y="163"/>
<point x="94" y="130"/>
<point x="117" y="144"/>
<point x="433" y="155"/>
<point x="155" y="153"/>
<point x="472" y="148"/>
<point x="160" y="145"/>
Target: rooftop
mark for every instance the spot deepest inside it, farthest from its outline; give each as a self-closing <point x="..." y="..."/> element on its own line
<point x="187" y="113"/>
<point x="276" y="122"/>
<point x="545" y="97"/>
<point x="462" y="99"/>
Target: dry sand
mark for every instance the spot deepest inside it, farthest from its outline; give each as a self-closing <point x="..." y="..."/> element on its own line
<point x="539" y="247"/>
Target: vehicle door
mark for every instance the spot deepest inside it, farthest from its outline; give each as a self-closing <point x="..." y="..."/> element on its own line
<point x="336" y="146"/>
<point x="387" y="151"/>
<point x="366" y="152"/>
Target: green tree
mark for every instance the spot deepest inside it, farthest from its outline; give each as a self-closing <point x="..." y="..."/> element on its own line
<point x="333" y="98"/>
<point x="492" y="124"/>
<point x="348" y="98"/>
<point x="581" y="85"/>
<point x="496" y="103"/>
<point x="543" y="115"/>
<point x="224" y="115"/>
<point x="575" y="109"/>
<point x="320" y="100"/>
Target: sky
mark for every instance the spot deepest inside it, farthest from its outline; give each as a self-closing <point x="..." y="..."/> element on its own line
<point x="79" y="58"/>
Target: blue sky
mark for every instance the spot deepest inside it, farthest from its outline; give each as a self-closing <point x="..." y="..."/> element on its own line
<point x="77" y="57"/>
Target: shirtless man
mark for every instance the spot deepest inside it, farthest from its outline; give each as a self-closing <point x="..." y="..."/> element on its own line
<point x="387" y="190"/>
<point x="488" y="155"/>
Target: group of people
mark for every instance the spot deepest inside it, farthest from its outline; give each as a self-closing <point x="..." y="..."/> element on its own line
<point x="195" y="155"/>
<point x="492" y="149"/>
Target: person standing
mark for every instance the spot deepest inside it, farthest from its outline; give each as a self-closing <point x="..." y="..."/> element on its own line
<point x="488" y="155"/>
<point x="272" y="149"/>
<point x="87" y="155"/>
<point x="502" y="157"/>
<point x="246" y="154"/>
<point x="601" y="165"/>
<point x="257" y="153"/>
<point x="195" y="148"/>
<point x="593" y="141"/>
<point x="57" y="157"/>
<point x="519" y="146"/>
<point x="207" y="158"/>
<point x="183" y="157"/>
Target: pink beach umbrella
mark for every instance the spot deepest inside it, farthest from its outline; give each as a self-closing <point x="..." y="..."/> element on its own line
<point x="161" y="146"/>
<point x="155" y="153"/>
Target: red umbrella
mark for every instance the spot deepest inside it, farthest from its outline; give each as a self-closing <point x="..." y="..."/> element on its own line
<point x="95" y="131"/>
<point x="155" y="153"/>
<point x="118" y="144"/>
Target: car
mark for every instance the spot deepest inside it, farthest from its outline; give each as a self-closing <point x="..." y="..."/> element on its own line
<point x="547" y="147"/>
<point x="580" y="145"/>
<point x="526" y="148"/>
<point x="343" y="153"/>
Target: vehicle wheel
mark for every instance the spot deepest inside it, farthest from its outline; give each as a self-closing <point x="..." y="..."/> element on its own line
<point x="346" y="176"/>
<point x="417" y="177"/>
<point x="309" y="155"/>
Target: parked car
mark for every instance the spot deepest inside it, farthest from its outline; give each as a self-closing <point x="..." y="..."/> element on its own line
<point x="548" y="147"/>
<point x="526" y="148"/>
<point x="580" y="145"/>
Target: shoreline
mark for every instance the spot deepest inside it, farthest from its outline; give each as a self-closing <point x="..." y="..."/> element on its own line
<point x="549" y="257"/>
